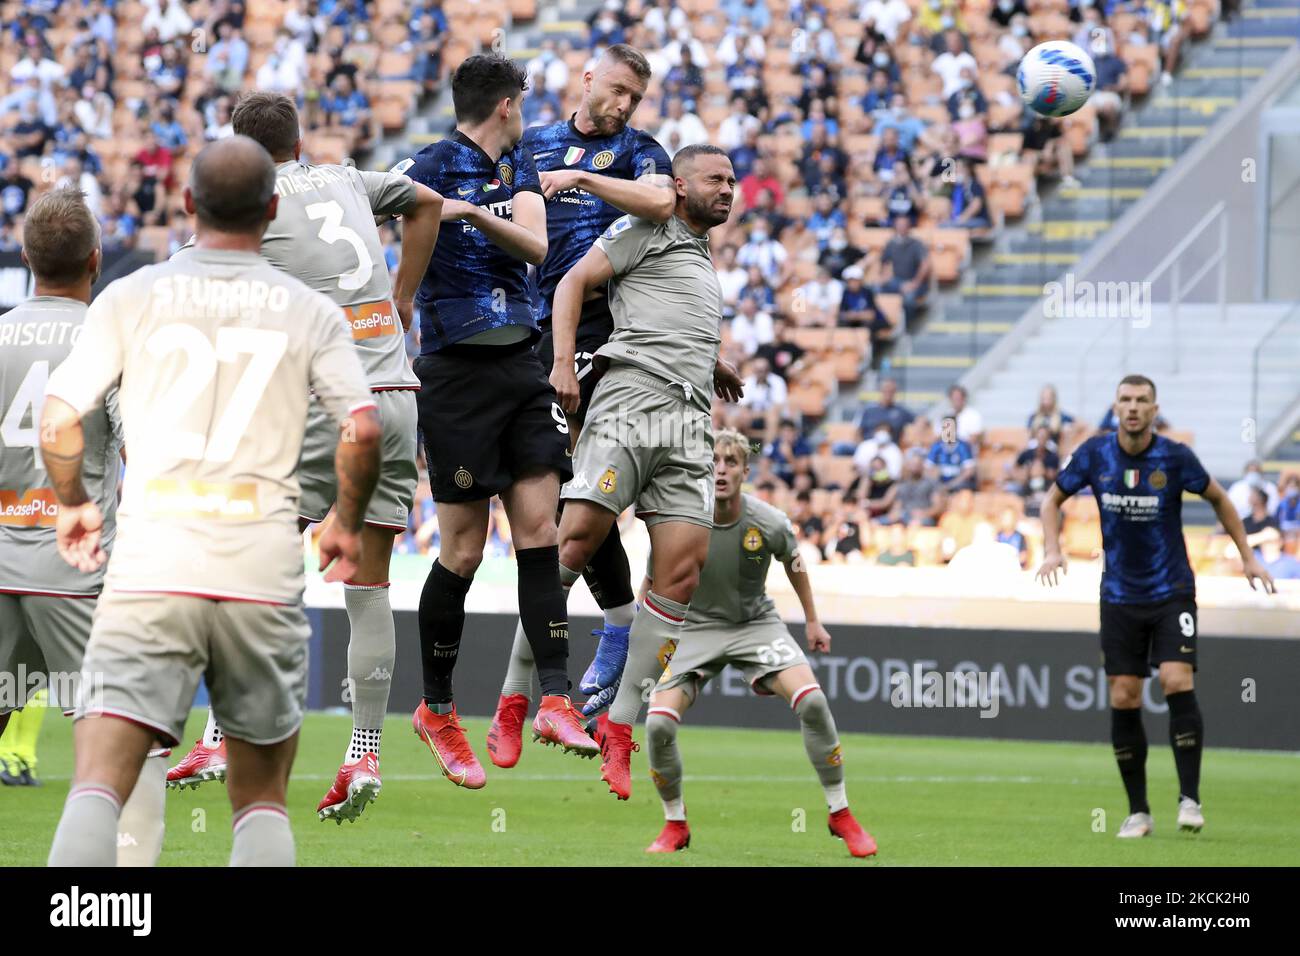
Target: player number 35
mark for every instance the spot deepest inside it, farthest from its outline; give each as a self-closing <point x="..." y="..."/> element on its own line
<point x="780" y="651"/>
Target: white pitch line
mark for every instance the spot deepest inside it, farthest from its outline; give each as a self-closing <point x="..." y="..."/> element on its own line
<point x="707" y="778"/>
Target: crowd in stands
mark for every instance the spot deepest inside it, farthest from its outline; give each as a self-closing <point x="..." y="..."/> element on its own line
<point x="873" y="141"/>
<point x="118" y="96"/>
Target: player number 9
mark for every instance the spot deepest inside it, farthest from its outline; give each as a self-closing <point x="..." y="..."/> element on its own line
<point x="561" y="423"/>
<point x="1187" y="624"/>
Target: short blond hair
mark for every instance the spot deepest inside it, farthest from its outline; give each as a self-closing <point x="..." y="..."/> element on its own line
<point x="729" y="438"/>
<point x="59" y="234"/>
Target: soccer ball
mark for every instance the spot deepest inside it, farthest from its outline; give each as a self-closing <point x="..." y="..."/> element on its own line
<point x="1056" y="78"/>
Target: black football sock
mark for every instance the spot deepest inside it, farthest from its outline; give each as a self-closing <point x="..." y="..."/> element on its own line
<point x="609" y="576"/>
<point x="1130" y="743"/>
<point x="1186" y="736"/>
<point x="544" y="617"/>
<point x="442" y="618"/>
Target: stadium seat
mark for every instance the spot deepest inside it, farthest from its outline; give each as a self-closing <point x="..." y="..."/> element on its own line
<point x="833" y="470"/>
<point x="841" y="432"/>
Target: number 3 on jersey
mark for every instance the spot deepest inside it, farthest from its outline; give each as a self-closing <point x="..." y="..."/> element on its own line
<point x="265" y="346"/>
<point x="332" y="230"/>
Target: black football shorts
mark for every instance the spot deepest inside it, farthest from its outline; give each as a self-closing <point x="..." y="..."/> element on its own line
<point x="488" y="416"/>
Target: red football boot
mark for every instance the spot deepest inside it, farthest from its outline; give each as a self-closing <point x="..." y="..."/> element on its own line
<point x="201" y="765"/>
<point x="676" y="835"/>
<point x="859" y="841"/>
<point x="446" y="740"/>
<point x="506" y="735"/>
<point x="356" y="785"/>
<point x="558" y="724"/>
<point x="616" y="764"/>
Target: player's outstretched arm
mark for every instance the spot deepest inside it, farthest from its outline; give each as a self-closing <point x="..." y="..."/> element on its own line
<point x="819" y="639"/>
<point x="420" y="225"/>
<point x="522" y="236"/>
<point x="592" y="271"/>
<point x="652" y="196"/>
<point x="1053" y="559"/>
<point x="80" y="523"/>
<point x="1231" y="522"/>
<point x="357" y="464"/>
<point x="727" y="382"/>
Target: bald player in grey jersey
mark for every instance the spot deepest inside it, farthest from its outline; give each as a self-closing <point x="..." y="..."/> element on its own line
<point x="648" y="441"/>
<point x="45" y="605"/>
<point x="733" y="621"/>
<point x="324" y="234"/>
<point x="214" y="353"/>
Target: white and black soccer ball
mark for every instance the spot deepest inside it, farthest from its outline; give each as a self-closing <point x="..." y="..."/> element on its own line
<point x="1056" y="78"/>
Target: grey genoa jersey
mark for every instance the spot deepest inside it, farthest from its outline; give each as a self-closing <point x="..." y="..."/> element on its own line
<point x="216" y="353"/>
<point x="733" y="582"/>
<point x="35" y="338"/>
<point x="324" y="235"/>
<point x="666" y="303"/>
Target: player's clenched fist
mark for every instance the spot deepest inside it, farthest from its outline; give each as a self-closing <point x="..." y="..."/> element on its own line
<point x="558" y="180"/>
<point x="79" y="529"/>
<point x="819" y="639"/>
<point x="565" y="382"/>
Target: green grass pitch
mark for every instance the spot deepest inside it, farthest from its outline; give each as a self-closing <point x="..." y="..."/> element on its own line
<point x="752" y="800"/>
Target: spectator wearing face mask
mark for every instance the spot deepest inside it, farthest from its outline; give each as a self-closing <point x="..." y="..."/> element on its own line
<point x="968" y="93"/>
<point x="877" y="56"/>
<point x="938" y="19"/>
<point x="880" y="445"/>
<point x="765" y="253"/>
<point x="839" y="255"/>
<point x="874" y="490"/>
<point x="971" y="131"/>
<point x="1239" y="490"/>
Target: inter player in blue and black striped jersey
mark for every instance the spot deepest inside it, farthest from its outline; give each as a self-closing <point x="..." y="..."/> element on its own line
<point x="487" y="410"/>
<point x="1148" y="591"/>
<point x="593" y="168"/>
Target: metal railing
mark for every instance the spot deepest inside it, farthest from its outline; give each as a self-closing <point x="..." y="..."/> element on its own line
<point x="1178" y="290"/>
<point x="1285" y="330"/>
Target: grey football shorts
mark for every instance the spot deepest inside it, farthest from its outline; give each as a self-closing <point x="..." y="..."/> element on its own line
<point x="148" y="652"/>
<point x="390" y="505"/>
<point x="644" y="446"/>
<point x="43" y="635"/>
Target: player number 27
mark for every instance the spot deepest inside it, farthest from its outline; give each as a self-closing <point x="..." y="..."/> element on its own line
<point x="332" y="230"/>
<point x="265" y="348"/>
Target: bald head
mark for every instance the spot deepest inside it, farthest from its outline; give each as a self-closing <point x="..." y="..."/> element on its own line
<point x="232" y="186"/>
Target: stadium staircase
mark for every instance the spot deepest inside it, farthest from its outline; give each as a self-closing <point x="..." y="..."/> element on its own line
<point x="1059" y="224"/>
